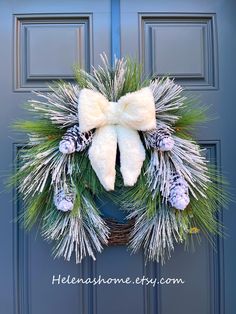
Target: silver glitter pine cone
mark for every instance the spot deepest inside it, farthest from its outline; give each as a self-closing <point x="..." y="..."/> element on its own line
<point x="74" y="140"/>
<point x="179" y="194"/>
<point x="160" y="139"/>
<point x="64" y="201"/>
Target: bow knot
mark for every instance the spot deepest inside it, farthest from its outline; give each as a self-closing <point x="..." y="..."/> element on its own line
<point x="113" y="113"/>
<point x="116" y="123"/>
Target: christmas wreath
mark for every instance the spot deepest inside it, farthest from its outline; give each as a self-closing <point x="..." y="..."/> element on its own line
<point x="113" y="130"/>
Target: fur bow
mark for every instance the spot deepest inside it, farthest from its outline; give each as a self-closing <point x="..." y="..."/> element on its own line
<point x="116" y="123"/>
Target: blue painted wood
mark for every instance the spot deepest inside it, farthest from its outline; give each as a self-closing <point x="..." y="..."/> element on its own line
<point x="221" y="95"/>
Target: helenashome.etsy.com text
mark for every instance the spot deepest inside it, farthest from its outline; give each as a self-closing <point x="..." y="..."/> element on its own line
<point x="142" y="280"/>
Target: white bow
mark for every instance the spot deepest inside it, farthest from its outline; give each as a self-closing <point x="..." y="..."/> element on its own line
<point x="116" y="123"/>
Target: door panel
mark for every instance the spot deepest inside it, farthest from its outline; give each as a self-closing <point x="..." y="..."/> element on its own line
<point x="40" y="42"/>
<point x="188" y="40"/>
<point x="180" y="45"/>
<point x="48" y="45"/>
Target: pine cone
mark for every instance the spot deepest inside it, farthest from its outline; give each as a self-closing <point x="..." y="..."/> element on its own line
<point x="160" y="139"/>
<point x="64" y="201"/>
<point x="179" y="195"/>
<point x="74" y="140"/>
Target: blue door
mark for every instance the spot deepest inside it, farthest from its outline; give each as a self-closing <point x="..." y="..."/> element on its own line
<point x="192" y="41"/>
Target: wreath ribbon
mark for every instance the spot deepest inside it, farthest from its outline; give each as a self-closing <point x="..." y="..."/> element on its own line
<point x="116" y="124"/>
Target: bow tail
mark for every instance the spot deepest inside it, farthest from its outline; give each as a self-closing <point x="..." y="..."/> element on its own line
<point x="102" y="155"/>
<point x="132" y="154"/>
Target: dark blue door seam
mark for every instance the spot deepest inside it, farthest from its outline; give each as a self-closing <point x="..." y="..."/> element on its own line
<point x="115" y="29"/>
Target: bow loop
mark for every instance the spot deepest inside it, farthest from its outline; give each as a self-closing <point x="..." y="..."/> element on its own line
<point x="138" y="110"/>
<point x="92" y="110"/>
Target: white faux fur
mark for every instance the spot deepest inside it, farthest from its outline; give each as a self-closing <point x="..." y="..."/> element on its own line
<point x="102" y="155"/>
<point x="117" y="122"/>
<point x="92" y="110"/>
<point x="137" y="110"/>
<point x="132" y="154"/>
